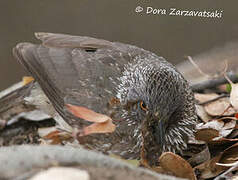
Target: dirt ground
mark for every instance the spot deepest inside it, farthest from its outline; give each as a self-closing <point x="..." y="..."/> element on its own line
<point x="23" y="132"/>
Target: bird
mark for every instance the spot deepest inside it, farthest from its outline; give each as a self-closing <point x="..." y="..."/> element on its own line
<point x="157" y="106"/>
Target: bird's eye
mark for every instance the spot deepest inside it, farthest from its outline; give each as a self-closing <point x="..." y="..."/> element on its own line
<point x="143" y="106"/>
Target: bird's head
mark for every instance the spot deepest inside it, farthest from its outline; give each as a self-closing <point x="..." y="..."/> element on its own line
<point x="149" y="96"/>
<point x="158" y="104"/>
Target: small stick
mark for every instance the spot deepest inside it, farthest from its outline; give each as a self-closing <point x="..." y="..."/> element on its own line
<point x="207" y="75"/>
<point x="214" y="99"/>
<point x="224" y="74"/>
<point x="198" y="68"/>
<point x="228" y="174"/>
<point x="211" y="83"/>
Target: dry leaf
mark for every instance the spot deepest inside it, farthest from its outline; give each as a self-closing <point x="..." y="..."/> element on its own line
<point x="228" y="127"/>
<point x="53" y="136"/>
<point x="209" y="169"/>
<point x="234" y="133"/>
<point x="214" y="124"/>
<point x="200" y="157"/>
<point x="231" y="173"/>
<point x="202" y="113"/>
<point x="177" y="165"/>
<point x="221" y="140"/>
<point x="206" y="134"/>
<point x="101" y="122"/>
<point x="87" y="114"/>
<point x="57" y="137"/>
<point x="193" y="140"/>
<point x="208" y="131"/>
<point x="220" y="107"/>
<point x="42" y="132"/>
<point x="236" y="116"/>
<point x="228" y="118"/>
<point x="230" y="155"/>
<point x="202" y="98"/>
<point x="104" y="127"/>
<point x="27" y="79"/>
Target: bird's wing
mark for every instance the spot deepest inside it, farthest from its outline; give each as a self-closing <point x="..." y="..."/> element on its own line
<point x="75" y="69"/>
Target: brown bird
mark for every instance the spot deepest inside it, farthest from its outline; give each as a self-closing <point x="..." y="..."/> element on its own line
<point x="156" y="103"/>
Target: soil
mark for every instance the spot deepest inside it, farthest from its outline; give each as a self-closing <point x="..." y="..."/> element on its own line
<point x="23" y="132"/>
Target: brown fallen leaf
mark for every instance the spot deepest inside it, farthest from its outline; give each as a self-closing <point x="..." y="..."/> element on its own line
<point x="230" y="155"/>
<point x="209" y="169"/>
<point x="234" y="133"/>
<point x="87" y="114"/>
<point x="221" y="107"/>
<point x="104" y="127"/>
<point x="228" y="118"/>
<point x="177" y="165"/>
<point x="44" y="131"/>
<point x="193" y="140"/>
<point x="101" y="122"/>
<point x="52" y="134"/>
<point x="221" y="141"/>
<point x="236" y="116"/>
<point x="231" y="173"/>
<point x="206" y="134"/>
<point x="202" y="113"/>
<point x="200" y="157"/>
<point x="202" y="98"/>
<point x="224" y="127"/>
<point x="211" y="136"/>
<point x="27" y="79"/>
<point x="57" y="137"/>
<point x="213" y="124"/>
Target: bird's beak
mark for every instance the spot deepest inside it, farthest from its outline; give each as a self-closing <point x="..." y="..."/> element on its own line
<point x="160" y="133"/>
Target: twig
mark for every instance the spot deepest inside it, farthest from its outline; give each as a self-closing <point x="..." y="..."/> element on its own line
<point x="222" y="73"/>
<point x="214" y="99"/>
<point x="228" y="79"/>
<point x="211" y="83"/>
<point x="198" y="68"/>
<point x="228" y="174"/>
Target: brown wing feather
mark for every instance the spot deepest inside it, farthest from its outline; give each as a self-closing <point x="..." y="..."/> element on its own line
<point x="69" y="73"/>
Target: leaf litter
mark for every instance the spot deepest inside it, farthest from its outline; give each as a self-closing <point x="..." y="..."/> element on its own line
<point x="218" y="129"/>
<point x="218" y="114"/>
